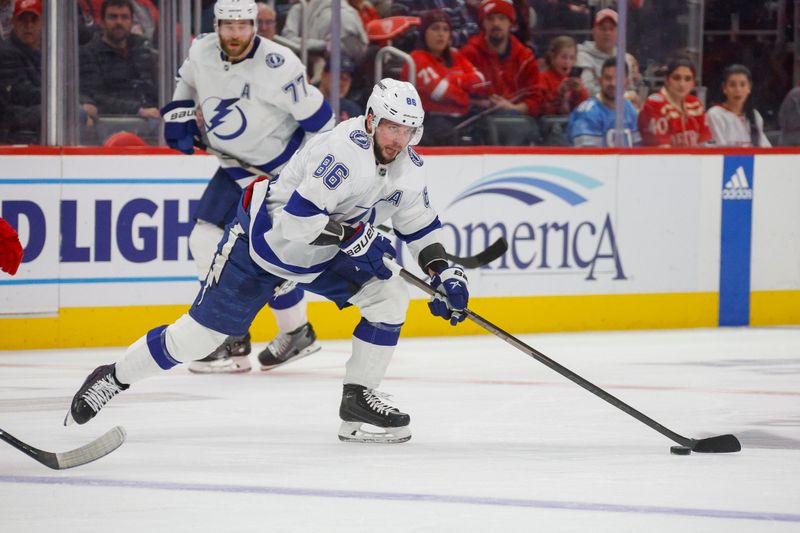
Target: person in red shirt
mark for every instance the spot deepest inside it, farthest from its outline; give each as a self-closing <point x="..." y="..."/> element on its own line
<point x="508" y="65"/>
<point x="673" y="116"/>
<point x="445" y="80"/>
<point x="559" y="89"/>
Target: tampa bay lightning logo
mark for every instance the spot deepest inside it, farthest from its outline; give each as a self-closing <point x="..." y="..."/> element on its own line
<point x="415" y="158"/>
<point x="274" y="60"/>
<point x="360" y="138"/>
<point x="224" y="119"/>
<point x="527" y="185"/>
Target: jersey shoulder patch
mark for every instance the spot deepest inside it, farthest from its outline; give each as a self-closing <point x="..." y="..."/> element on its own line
<point x="274" y="60"/>
<point x="414" y="156"/>
<point x="359" y="137"/>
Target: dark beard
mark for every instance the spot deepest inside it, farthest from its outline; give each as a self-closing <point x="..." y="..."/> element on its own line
<point x="378" y="156"/>
<point x="496" y="41"/>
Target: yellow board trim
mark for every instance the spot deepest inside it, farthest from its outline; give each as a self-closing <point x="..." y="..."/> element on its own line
<point x="120" y="326"/>
<point x="774" y="308"/>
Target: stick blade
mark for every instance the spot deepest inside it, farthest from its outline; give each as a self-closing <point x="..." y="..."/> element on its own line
<point x="718" y="444"/>
<point x="93" y="451"/>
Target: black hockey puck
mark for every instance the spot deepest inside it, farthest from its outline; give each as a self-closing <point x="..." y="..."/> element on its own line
<point x="680" y="450"/>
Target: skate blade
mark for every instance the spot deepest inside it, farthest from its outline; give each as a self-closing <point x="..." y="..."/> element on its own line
<point x="68" y="420"/>
<point x="305" y="352"/>
<point x="359" y="432"/>
<point x="231" y="365"/>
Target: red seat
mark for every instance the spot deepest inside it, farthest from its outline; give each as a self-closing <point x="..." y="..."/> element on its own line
<point x="390" y="27"/>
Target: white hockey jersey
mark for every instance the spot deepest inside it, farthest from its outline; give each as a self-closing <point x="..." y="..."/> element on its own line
<point x="258" y="109"/>
<point x="335" y="176"/>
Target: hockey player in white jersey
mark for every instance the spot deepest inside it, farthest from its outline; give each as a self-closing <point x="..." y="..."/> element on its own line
<point x="315" y="226"/>
<point x="254" y="104"/>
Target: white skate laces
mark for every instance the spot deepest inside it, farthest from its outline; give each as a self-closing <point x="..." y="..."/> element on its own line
<point x="374" y="399"/>
<point x="101" y="392"/>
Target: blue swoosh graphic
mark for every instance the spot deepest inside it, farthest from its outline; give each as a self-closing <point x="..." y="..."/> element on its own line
<point x="565" y="194"/>
<point x="522" y="196"/>
<point x="569" y="175"/>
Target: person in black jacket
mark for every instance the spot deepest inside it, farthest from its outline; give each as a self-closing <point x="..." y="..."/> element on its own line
<point x="21" y="76"/>
<point x="118" y="68"/>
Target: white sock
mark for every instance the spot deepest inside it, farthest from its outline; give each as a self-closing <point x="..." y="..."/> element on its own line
<point x="291" y="318"/>
<point x="368" y="364"/>
<point x="137" y="364"/>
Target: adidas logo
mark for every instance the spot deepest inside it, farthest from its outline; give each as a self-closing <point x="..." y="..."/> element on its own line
<point x="737" y="187"/>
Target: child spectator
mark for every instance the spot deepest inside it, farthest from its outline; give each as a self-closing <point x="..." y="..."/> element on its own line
<point x="735" y="122"/>
<point x="445" y="79"/>
<point x="559" y="89"/>
<point x="673" y="116"/>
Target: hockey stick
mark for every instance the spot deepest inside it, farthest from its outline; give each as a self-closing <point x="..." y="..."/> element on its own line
<point x="99" y="447"/>
<point x="492" y="252"/>
<point x="483" y="258"/>
<point x="718" y="444"/>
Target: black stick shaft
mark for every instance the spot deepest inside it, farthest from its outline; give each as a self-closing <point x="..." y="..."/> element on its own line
<point x="567" y="373"/>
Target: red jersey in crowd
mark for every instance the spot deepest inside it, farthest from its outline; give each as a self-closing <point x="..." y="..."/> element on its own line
<point x="444" y="89"/>
<point x="662" y="123"/>
<point x="512" y="75"/>
<point x="550" y="101"/>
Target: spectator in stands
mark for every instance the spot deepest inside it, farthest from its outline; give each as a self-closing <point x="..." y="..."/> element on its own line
<point x="144" y="19"/>
<point x="366" y="10"/>
<point x="559" y="90"/>
<point x="735" y="122"/>
<point x="21" y="76"/>
<point x="592" y="123"/>
<point x="592" y="54"/>
<point x="445" y="80"/>
<point x="789" y="118"/>
<point x="509" y="67"/>
<point x="318" y="28"/>
<point x="673" y="116"/>
<point x="118" y="68"/>
<point x="266" y="20"/>
<point x="459" y="11"/>
<point x="347" y="108"/>
<point x="6" y="13"/>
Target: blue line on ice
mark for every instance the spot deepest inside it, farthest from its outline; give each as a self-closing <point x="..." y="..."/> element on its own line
<point x="404" y="496"/>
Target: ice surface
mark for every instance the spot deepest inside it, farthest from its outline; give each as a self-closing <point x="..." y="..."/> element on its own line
<point x="500" y="442"/>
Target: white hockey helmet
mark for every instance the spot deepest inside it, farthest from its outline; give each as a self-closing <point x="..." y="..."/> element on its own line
<point x="399" y="102"/>
<point x="235" y="10"/>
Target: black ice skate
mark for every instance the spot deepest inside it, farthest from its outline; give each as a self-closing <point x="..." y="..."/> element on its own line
<point x="96" y="391"/>
<point x="230" y="357"/>
<point x="360" y="406"/>
<point x="288" y="347"/>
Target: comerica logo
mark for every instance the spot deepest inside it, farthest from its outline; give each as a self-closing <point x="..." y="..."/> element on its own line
<point x="737" y="187"/>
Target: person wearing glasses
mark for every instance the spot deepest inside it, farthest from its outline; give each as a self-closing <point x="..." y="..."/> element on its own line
<point x="673" y="116"/>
